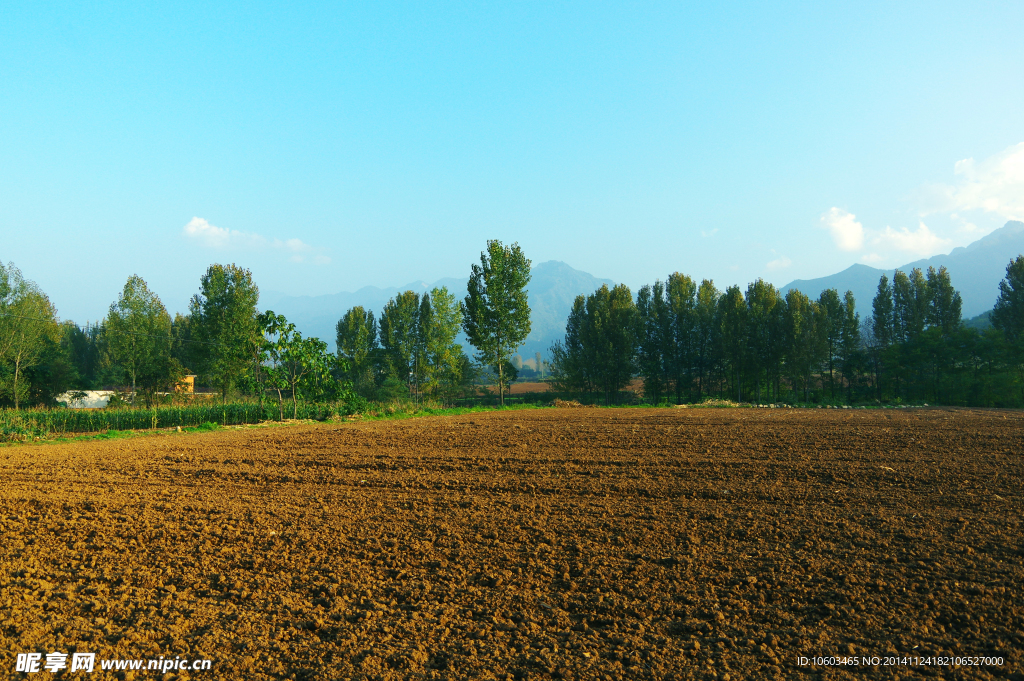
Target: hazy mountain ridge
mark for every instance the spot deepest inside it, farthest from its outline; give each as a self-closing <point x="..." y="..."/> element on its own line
<point x="553" y="287"/>
<point x="975" y="270"/>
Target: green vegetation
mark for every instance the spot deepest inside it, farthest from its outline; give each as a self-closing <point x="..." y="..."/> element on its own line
<point x="28" y="334"/>
<point x="225" y="326"/>
<point x="689" y="342"/>
<point x="412" y="353"/>
<point x="686" y="342"/>
<point x="25" y="423"/>
<point x="137" y="341"/>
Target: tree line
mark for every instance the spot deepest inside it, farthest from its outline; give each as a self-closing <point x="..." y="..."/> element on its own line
<point x="138" y="347"/>
<point x="687" y="342"/>
<point x="236" y="349"/>
<point x="412" y="348"/>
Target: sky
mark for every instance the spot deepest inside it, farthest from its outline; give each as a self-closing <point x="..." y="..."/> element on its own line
<point x="327" y="147"/>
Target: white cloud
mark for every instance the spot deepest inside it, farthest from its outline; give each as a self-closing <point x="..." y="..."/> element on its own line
<point x="293" y="245"/>
<point x="846" y="231"/>
<point x="871" y="258"/>
<point x="709" y="234"/>
<point x="993" y="185"/>
<point x="921" y="242"/>
<point x="211" y="236"/>
<point x="778" y="264"/>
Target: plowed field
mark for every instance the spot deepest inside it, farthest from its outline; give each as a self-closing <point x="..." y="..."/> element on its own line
<point x="557" y="543"/>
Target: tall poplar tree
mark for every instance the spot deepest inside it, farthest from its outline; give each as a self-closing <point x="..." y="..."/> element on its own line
<point x="706" y="334"/>
<point x="28" y="323"/>
<point x="137" y="339"/>
<point x="680" y="296"/>
<point x="764" y="334"/>
<point x="496" y="314"/>
<point x="833" y="320"/>
<point x="1008" y="314"/>
<point x="732" y="315"/>
<point x="224" y="322"/>
<point x="400" y="336"/>
<point x="653" y="336"/>
<point x="442" y="353"/>
<point x="357" y="341"/>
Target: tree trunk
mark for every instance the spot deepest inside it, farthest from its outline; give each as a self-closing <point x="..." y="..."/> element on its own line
<point x="17" y="368"/>
<point x="280" y="404"/>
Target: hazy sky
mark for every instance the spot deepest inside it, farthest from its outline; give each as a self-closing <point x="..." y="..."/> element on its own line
<point x="329" y="147"/>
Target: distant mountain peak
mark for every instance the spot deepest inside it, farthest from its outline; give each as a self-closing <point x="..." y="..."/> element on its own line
<point x="975" y="270"/>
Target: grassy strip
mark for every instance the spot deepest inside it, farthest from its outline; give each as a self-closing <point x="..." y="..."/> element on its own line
<point x="24" y="432"/>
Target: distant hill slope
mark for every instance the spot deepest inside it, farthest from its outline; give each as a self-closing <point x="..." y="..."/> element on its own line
<point x="553" y="287"/>
<point x="982" y="322"/>
<point x="975" y="270"/>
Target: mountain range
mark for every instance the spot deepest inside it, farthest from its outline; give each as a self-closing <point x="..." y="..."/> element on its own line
<point x="975" y="271"/>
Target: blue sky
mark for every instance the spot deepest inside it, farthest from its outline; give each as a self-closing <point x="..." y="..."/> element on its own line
<point x="329" y="147"/>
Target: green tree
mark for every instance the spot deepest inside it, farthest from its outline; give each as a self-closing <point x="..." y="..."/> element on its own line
<point x="296" y="364"/>
<point x="28" y="323"/>
<point x="803" y="346"/>
<point x="653" y="337"/>
<point x="832" y="324"/>
<point x="1008" y="314"/>
<point x="680" y="296"/>
<point x="137" y="340"/>
<point x="882" y="334"/>
<point x="570" y="366"/>
<point x="764" y="335"/>
<point x="444" y="357"/>
<point x="850" y="356"/>
<point x="944" y="320"/>
<point x="496" y="314"/>
<point x="611" y="316"/>
<point x="56" y="372"/>
<point x="705" y="334"/>
<point x="944" y="302"/>
<point x="400" y="337"/>
<point x="225" y="325"/>
<point x="732" y="316"/>
<point x="357" y="343"/>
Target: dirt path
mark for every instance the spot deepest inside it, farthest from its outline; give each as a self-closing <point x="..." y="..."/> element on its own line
<point x="575" y="544"/>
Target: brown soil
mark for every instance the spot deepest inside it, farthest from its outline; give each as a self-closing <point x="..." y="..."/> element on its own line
<point x="534" y="387"/>
<point x="559" y="543"/>
<point x="636" y="385"/>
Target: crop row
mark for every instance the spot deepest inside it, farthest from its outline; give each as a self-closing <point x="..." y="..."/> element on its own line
<point x="38" y="423"/>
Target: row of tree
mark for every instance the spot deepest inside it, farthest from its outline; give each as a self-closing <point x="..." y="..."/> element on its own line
<point x="223" y="338"/>
<point x="687" y="341"/>
<point x="412" y="350"/>
<point x="235" y="348"/>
